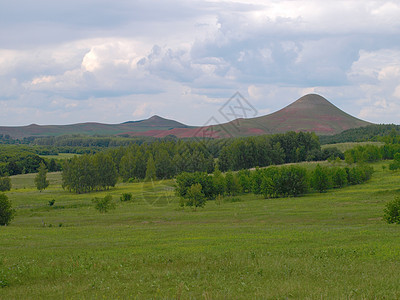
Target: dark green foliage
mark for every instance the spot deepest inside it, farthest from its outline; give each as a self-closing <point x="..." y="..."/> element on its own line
<point x="362" y="134"/>
<point x="5" y="184"/>
<point x="360" y="154"/>
<point x="263" y="151"/>
<point x="293" y="181"/>
<point x="194" y="196"/>
<point x="19" y="159"/>
<point x="392" y="211"/>
<point x="103" y="205"/>
<point x="390" y="150"/>
<point x="256" y="178"/>
<point x="218" y="181"/>
<point x="126" y="197"/>
<point x="359" y="174"/>
<point x="284" y="181"/>
<point x="331" y="153"/>
<point x="232" y="184"/>
<point x="51" y="202"/>
<point x="6" y="211"/>
<point x="53" y="166"/>
<point x="321" y="180"/>
<point x="132" y="164"/>
<point x="164" y="166"/>
<point x="339" y="177"/>
<point x="185" y="180"/>
<point x="89" y="172"/>
<point x="270" y="182"/>
<point x="41" y="181"/>
<point x="105" y="171"/>
<point x="396" y="163"/>
<point x="244" y="180"/>
<point x="150" y="169"/>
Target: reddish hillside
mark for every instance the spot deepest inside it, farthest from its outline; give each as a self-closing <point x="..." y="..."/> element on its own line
<point x="310" y="113"/>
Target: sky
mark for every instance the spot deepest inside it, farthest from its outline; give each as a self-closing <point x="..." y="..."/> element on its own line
<point x="64" y="62"/>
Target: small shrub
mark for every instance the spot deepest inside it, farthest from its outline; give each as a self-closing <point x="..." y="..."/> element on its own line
<point x="194" y="197"/>
<point x="103" y="205"/>
<point x="233" y="199"/>
<point x="5" y="184"/>
<point x="6" y="211"/>
<point x="218" y="199"/>
<point x="392" y="211"/>
<point x="321" y="180"/>
<point x="3" y="282"/>
<point x="51" y="202"/>
<point x="395" y="165"/>
<point x="126" y="197"/>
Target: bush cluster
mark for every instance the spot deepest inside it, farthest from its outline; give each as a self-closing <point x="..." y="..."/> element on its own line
<point x="392" y="211"/>
<point x="6" y="211"/>
<point x="89" y="172"/>
<point x="272" y="182"/>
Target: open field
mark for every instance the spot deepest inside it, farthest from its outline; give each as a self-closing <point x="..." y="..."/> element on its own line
<point x="321" y="246"/>
<point x="60" y="156"/>
<point x="347" y="146"/>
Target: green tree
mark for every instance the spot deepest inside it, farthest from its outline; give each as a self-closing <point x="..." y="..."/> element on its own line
<point x="218" y="181"/>
<point x="396" y="162"/>
<point x="320" y="179"/>
<point x="105" y="171"/>
<point x="339" y="177"/>
<point x="392" y="211"/>
<point x="103" y="205"/>
<point x="195" y="196"/>
<point x="232" y="184"/>
<point x="6" y="211"/>
<point x="5" y="184"/>
<point x="270" y="184"/>
<point x="41" y="181"/>
<point x="164" y="167"/>
<point x="150" y="169"/>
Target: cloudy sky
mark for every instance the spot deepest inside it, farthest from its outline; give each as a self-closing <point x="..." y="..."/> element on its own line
<point x="72" y="61"/>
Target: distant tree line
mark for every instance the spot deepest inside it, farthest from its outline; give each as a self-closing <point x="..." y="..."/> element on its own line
<point x="371" y="153"/>
<point x="271" y="182"/>
<point x="16" y="160"/>
<point x="8" y="140"/>
<point x="88" y="173"/>
<point x="376" y="132"/>
<point x="169" y="158"/>
<point x="177" y="156"/>
<point x="91" y="141"/>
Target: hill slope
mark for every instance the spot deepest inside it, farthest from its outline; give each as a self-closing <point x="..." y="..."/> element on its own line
<point x="310" y="113"/>
<point x="153" y="123"/>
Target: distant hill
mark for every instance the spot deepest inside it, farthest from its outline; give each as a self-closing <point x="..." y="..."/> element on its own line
<point x="153" y="123"/>
<point x="310" y="113"/>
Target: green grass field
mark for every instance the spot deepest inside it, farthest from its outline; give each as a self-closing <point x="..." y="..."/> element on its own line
<point x="350" y="145"/>
<point x="61" y="156"/>
<point x="320" y="246"/>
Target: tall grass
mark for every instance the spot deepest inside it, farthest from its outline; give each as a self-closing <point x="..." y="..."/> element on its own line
<point x="321" y="246"/>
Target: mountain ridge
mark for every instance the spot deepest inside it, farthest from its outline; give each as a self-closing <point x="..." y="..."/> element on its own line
<point x="309" y="113"/>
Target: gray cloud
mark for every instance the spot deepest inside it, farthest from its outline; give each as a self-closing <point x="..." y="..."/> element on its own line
<point x="170" y="57"/>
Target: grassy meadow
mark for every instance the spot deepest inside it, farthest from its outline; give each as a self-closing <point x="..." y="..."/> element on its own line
<point x="350" y="145"/>
<point x="321" y="246"/>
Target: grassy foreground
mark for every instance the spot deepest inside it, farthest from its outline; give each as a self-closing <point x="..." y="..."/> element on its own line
<point x="321" y="246"/>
